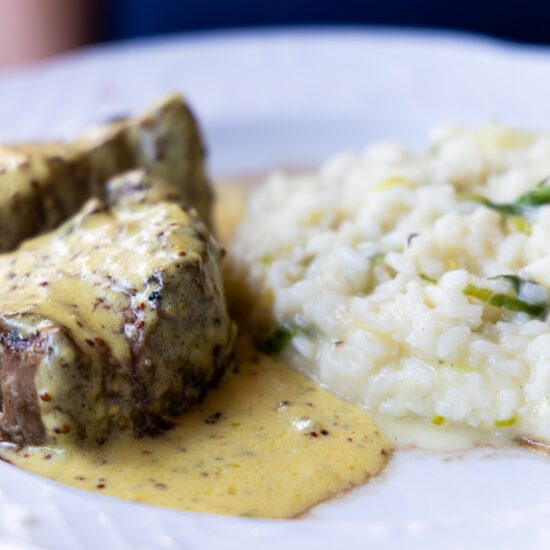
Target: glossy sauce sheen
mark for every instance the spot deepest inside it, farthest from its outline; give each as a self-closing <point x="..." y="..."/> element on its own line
<point x="268" y="442"/>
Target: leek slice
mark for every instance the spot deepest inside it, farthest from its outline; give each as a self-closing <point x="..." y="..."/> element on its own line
<point x="504" y="301"/>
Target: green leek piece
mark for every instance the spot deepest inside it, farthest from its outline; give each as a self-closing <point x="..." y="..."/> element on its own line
<point x="279" y="339"/>
<point x="426" y="279"/>
<point x="505" y="423"/>
<point x="504" y="301"/>
<point x="539" y="196"/>
<point x="505" y="209"/>
<point x="514" y="280"/>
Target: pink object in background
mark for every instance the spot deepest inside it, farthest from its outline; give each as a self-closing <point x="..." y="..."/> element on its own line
<point x="34" y="29"/>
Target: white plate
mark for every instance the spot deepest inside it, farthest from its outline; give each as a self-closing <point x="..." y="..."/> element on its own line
<point x="292" y="98"/>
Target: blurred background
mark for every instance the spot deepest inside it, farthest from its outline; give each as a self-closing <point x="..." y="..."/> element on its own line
<point x="31" y="30"/>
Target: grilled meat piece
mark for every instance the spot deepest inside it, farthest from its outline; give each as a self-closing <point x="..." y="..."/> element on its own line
<point x="41" y="185"/>
<point x="114" y="321"/>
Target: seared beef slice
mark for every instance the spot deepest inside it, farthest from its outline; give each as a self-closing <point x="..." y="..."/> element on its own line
<point x="115" y="321"/>
<point x="41" y="185"/>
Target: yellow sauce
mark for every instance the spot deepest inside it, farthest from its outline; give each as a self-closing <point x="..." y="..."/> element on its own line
<point x="268" y="442"/>
<point x="229" y="207"/>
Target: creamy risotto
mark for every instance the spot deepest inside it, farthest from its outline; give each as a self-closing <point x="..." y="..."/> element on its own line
<point x="414" y="285"/>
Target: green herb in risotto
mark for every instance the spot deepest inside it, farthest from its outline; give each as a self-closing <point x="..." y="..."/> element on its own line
<point x="514" y="280"/>
<point x="536" y="197"/>
<point x="505" y="423"/>
<point x="539" y="196"/>
<point x="426" y="279"/>
<point x="278" y="339"/>
<point x="506" y="209"/>
<point x="504" y="301"/>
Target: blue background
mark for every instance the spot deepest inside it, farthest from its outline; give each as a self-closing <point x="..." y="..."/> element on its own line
<point x="527" y="20"/>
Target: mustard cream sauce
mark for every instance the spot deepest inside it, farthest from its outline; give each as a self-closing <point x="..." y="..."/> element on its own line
<point x="268" y="442"/>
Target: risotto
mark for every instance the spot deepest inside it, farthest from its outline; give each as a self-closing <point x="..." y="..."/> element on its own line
<point x="414" y="285"/>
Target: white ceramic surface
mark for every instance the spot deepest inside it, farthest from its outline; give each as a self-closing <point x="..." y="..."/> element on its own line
<point x="280" y="99"/>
